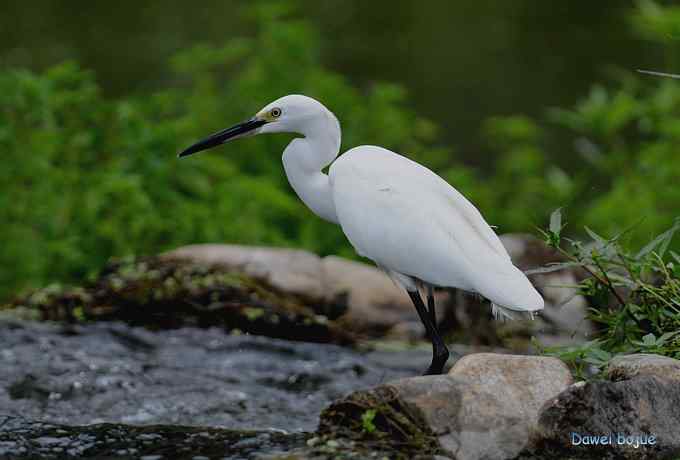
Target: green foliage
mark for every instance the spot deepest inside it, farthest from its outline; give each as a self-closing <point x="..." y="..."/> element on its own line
<point x="624" y="141"/>
<point x="635" y="297"/>
<point x="85" y="178"/>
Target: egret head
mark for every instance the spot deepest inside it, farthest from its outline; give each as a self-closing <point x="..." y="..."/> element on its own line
<point x="290" y="114"/>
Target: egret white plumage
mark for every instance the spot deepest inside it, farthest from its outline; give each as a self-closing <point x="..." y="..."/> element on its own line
<point x="405" y="218"/>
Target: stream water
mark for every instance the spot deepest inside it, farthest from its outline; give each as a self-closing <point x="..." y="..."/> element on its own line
<point x="110" y="372"/>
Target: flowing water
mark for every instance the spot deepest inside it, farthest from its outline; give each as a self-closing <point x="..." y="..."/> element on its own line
<point x="113" y="373"/>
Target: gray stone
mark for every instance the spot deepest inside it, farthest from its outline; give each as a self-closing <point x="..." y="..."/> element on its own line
<point x="628" y="366"/>
<point x="642" y="406"/>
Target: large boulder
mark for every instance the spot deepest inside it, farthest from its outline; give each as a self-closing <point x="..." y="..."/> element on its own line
<point x="162" y="293"/>
<point x="484" y="408"/>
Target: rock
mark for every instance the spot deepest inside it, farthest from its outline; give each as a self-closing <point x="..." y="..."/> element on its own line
<point x="165" y="293"/>
<point x="21" y="438"/>
<point x="291" y="270"/>
<point x="528" y="381"/>
<point x="373" y="303"/>
<point x="642" y="406"/>
<point x="628" y="366"/>
<point x="483" y="409"/>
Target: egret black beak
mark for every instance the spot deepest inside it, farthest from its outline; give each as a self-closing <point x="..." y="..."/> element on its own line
<point x="220" y="137"/>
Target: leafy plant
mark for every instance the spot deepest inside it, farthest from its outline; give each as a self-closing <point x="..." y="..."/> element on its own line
<point x="635" y="297"/>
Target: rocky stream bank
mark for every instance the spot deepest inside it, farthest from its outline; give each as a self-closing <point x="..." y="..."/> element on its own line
<point x="261" y="353"/>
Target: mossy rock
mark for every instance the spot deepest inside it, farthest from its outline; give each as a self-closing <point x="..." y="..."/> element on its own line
<point x="158" y="294"/>
<point x="378" y="419"/>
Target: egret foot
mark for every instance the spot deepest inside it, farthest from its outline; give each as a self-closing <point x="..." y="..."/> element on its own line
<point x="438" y="362"/>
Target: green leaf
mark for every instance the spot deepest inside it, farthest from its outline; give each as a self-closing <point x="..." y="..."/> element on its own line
<point x="662" y="241"/>
<point x="367" y="420"/>
<point x="602" y="354"/>
<point x="597" y="238"/>
<point x="675" y="256"/>
<point x="552" y="267"/>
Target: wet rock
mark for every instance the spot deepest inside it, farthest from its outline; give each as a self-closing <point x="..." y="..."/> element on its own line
<point x="630" y="411"/>
<point x="112" y="372"/>
<point x="629" y="366"/>
<point x="484" y="409"/>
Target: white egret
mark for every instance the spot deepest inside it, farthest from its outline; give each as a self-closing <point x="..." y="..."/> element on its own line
<point x="394" y="211"/>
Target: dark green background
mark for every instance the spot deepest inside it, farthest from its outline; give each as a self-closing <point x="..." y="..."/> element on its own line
<point x="462" y="60"/>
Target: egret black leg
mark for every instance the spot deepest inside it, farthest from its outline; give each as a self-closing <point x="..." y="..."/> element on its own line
<point x="440" y="354"/>
<point x="431" y="308"/>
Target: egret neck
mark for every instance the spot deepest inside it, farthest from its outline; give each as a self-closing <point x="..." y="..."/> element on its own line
<point x="305" y="158"/>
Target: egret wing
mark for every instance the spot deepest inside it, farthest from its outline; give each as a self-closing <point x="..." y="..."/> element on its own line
<point x="407" y="219"/>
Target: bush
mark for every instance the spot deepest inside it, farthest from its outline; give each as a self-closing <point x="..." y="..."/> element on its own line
<point x="635" y="297"/>
<point x="85" y="178"/>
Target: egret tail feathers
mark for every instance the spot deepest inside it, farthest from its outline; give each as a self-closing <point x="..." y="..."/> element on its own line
<point x="501" y="313"/>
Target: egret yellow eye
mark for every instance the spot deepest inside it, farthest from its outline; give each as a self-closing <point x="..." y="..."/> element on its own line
<point x="275" y="112"/>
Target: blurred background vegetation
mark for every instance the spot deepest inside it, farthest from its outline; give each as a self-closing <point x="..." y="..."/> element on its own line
<point x="524" y="106"/>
